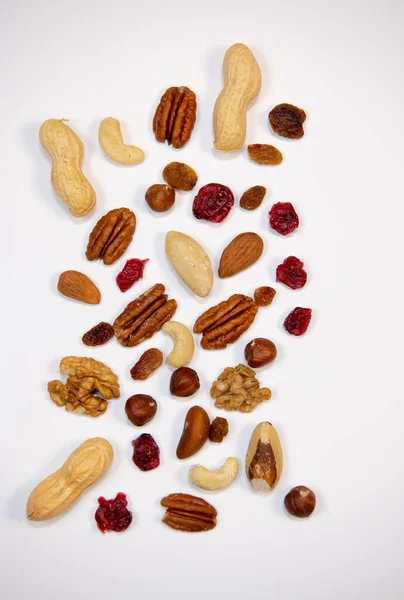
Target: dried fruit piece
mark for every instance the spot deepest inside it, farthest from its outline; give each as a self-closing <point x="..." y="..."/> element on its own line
<point x="291" y="273"/>
<point x="132" y="272"/>
<point x="98" y="335"/>
<point x="264" y="295"/>
<point x="283" y="218"/>
<point x="160" y="197"/>
<point x="213" y="202"/>
<point x="238" y="389"/>
<point x="140" y="409"/>
<point x="112" y="515"/>
<point x="242" y="252"/>
<point x="287" y="120"/>
<point x="111" y="236"/>
<point x="180" y="176"/>
<point x="252" y="198"/>
<point x="297" y="322"/>
<point x="264" y="154"/>
<point x="219" y="428"/>
<point x="149" y="362"/>
<point x="175" y="116"/>
<point x="188" y="513"/>
<point x="78" y="286"/>
<point x="146" y="453"/>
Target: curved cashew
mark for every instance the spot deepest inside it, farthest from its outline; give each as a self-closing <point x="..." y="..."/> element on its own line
<point x="112" y="143"/>
<point x="184" y="346"/>
<point x="214" y="480"/>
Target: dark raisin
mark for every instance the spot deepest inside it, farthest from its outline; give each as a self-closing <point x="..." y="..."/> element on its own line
<point x="132" y="272"/>
<point x="112" y="515"/>
<point x="146" y="453"/>
<point x="287" y="120"/>
<point x="283" y="218"/>
<point x="252" y="198"/>
<point x="291" y="273"/>
<point x="213" y="202"/>
<point x="297" y="322"/>
<point x="98" y="335"/>
<point x="219" y="428"/>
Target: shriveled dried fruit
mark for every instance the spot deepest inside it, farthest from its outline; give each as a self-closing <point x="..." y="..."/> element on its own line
<point x="219" y="428"/>
<point x="287" y="120"/>
<point x="132" y="272"/>
<point x="264" y="295"/>
<point x="252" y="198"/>
<point x="213" y="202"/>
<point x="180" y="176"/>
<point x="149" y="362"/>
<point x="297" y="322"/>
<point x="98" y="335"/>
<point x="265" y="154"/>
<point x="112" y="515"/>
<point x="291" y="273"/>
<point x="160" y="197"/>
<point x="283" y="218"/>
<point x="146" y="453"/>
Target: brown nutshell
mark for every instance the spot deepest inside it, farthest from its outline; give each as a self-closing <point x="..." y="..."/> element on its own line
<point x="264" y="154"/>
<point x="287" y="120"/>
<point x="180" y="176"/>
<point x="98" y="335"/>
<point x="140" y="409"/>
<point x="175" y="116"/>
<point x="300" y="502"/>
<point x="184" y="382"/>
<point x="260" y="352"/>
<point x="263" y="296"/>
<point x="252" y="198"/>
<point x="147" y="364"/>
<point x="111" y="236"/>
<point x="160" y="197"/>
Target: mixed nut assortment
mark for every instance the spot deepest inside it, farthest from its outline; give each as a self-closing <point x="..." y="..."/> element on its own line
<point x="91" y="384"/>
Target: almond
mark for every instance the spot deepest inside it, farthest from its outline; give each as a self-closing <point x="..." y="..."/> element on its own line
<point x="240" y="254"/>
<point x="74" y="284"/>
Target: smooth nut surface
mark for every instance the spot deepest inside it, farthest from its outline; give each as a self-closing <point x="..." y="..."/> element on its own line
<point x="195" y="432"/>
<point x="184" y="345"/>
<point x="218" y="479"/>
<point x="184" y="382"/>
<point x="300" y="502"/>
<point x="140" y="409"/>
<point x="260" y="352"/>
<point x="160" y="197"/>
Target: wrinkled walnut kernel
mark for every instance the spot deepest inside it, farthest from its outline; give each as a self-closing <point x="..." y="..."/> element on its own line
<point x="180" y="176"/>
<point x="98" y="335"/>
<point x="219" y="428"/>
<point x="238" y="389"/>
<point x="252" y="198"/>
<point x="264" y="154"/>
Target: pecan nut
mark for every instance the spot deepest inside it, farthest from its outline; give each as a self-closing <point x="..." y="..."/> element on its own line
<point x="175" y="116"/>
<point x="188" y="513"/>
<point x="111" y="236"/>
<point x="224" y="323"/>
<point x="144" y="316"/>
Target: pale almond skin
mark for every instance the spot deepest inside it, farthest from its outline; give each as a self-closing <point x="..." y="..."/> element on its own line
<point x="242" y="84"/>
<point x="78" y="286"/>
<point x="111" y="141"/>
<point x="191" y="262"/>
<point x="55" y="494"/>
<point x="264" y="460"/>
<point x="241" y="253"/>
<point x="66" y="151"/>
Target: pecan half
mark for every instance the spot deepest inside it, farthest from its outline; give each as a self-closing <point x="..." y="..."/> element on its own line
<point x="175" y="116"/>
<point x="144" y="316"/>
<point x="224" y="323"/>
<point x="111" y="236"/>
<point x="188" y="513"/>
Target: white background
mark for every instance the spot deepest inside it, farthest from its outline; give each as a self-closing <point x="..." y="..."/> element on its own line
<point x="337" y="391"/>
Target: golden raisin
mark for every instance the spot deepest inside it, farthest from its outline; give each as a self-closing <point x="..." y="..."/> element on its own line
<point x="264" y="295"/>
<point x="252" y="198"/>
<point x="219" y="428"/>
<point x="180" y="176"/>
<point x="264" y="154"/>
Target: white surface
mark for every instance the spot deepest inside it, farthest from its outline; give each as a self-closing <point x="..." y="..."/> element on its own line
<point x="337" y="392"/>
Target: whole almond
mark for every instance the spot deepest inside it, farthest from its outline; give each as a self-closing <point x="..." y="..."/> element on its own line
<point x="241" y="253"/>
<point x="78" y="286"/>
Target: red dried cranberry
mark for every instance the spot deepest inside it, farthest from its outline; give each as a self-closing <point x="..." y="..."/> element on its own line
<point x="132" y="272"/>
<point x="291" y="273"/>
<point x="112" y="515"/>
<point x="213" y="202"/>
<point x="298" y="321"/>
<point x="283" y="218"/>
<point x="146" y="453"/>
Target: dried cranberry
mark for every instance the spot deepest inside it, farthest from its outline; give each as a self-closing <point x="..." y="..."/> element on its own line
<point x="112" y="515"/>
<point x="291" y="273"/>
<point x="298" y="321"/>
<point x="146" y="453"/>
<point x="132" y="272"/>
<point x="283" y="218"/>
<point x="213" y="202"/>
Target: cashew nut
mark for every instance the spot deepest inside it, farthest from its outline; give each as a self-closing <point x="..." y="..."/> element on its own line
<point x="112" y="143"/>
<point x="183" y="349"/>
<point x="214" y="480"/>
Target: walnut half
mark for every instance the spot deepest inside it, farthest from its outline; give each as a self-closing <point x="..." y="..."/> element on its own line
<point x="238" y="389"/>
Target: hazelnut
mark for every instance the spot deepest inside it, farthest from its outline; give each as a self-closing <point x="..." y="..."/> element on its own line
<point x="260" y="352"/>
<point x="140" y="409"/>
<point x="300" y="502"/>
<point x="160" y="197"/>
<point x="184" y="382"/>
